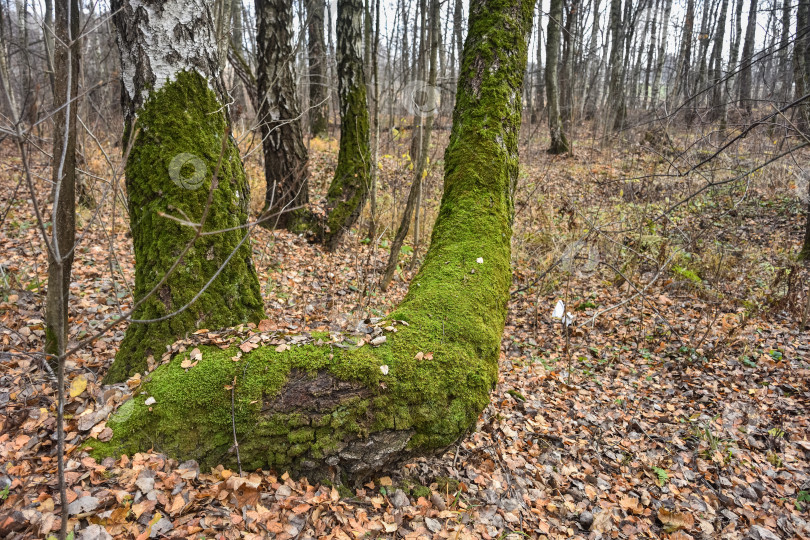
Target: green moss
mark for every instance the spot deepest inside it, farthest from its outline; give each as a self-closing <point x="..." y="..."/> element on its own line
<point x="414" y="488"/>
<point x="348" y="191"/>
<point x="184" y="117"/>
<point x="446" y="484"/>
<point x="441" y="366"/>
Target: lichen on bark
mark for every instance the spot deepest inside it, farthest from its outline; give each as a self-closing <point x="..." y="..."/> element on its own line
<point x="183" y="122"/>
<point x="321" y="409"/>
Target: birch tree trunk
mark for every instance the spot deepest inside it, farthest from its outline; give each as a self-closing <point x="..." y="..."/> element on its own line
<point x="187" y="193"/>
<point x="616" y="107"/>
<point x="685" y="53"/>
<point x="747" y="55"/>
<point x="328" y="411"/>
<point x="719" y="104"/>
<point x="285" y="156"/>
<point x="662" y="52"/>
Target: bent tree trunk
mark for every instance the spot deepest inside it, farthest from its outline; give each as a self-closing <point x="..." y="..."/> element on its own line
<point x="349" y="189"/>
<point x="285" y="156"/>
<point x="313" y="407"/>
<point x="182" y="165"/>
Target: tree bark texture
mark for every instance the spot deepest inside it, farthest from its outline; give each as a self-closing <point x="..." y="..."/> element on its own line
<point x="285" y="156"/>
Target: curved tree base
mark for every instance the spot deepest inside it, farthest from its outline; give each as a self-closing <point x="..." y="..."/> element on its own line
<point x="314" y="409"/>
<point x="559" y="146"/>
<point x="328" y="408"/>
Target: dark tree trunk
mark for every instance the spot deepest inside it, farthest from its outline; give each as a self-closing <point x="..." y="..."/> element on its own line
<point x="318" y="72"/>
<point x="747" y="56"/>
<point x="559" y="143"/>
<point x="329" y="411"/>
<point x="662" y="52"/>
<point x="349" y="190"/>
<point x="685" y="54"/>
<point x="285" y="156"/>
<point x="183" y="166"/>
<point x="616" y="105"/>
<point x="716" y="63"/>
<point x="63" y="218"/>
<point x="61" y="242"/>
<point x="785" y="73"/>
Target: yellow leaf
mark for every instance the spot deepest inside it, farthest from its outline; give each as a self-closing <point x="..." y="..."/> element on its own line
<point x="78" y="386"/>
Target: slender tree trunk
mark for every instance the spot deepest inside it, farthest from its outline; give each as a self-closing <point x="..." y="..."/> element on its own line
<point x="567" y="69"/>
<point x="47" y="34"/>
<point x="685" y="54"/>
<point x="285" y="156"/>
<point x="747" y="56"/>
<point x="616" y="105"/>
<point x="540" y="90"/>
<point x="182" y="166"/>
<point x="375" y="147"/>
<point x="349" y="189"/>
<point x="801" y="74"/>
<point x="60" y="253"/>
<point x="734" y="51"/>
<point x="559" y="143"/>
<point x="412" y="203"/>
<point x="324" y="410"/>
<point x="648" y="72"/>
<point x="662" y="52"/>
<point x="785" y="72"/>
<point x="704" y="37"/>
<point x="719" y="104"/>
<point x="62" y="241"/>
<point x="318" y="72"/>
<point x="594" y="66"/>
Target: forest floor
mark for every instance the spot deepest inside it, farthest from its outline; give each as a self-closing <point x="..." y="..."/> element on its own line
<point x="674" y="406"/>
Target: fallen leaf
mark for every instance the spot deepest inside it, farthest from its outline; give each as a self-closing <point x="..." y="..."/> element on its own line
<point x="78" y="385"/>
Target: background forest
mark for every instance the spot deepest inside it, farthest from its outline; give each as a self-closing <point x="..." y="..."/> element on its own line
<point x="648" y="157"/>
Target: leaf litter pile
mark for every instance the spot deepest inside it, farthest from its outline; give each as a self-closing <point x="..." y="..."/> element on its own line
<point x="633" y="402"/>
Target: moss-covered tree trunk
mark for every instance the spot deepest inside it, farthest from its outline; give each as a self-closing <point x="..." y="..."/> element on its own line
<point x="349" y="189"/>
<point x="559" y="143"/>
<point x="187" y="193"/>
<point x="285" y="156"/>
<point x="326" y="409"/>
<point x="318" y="79"/>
